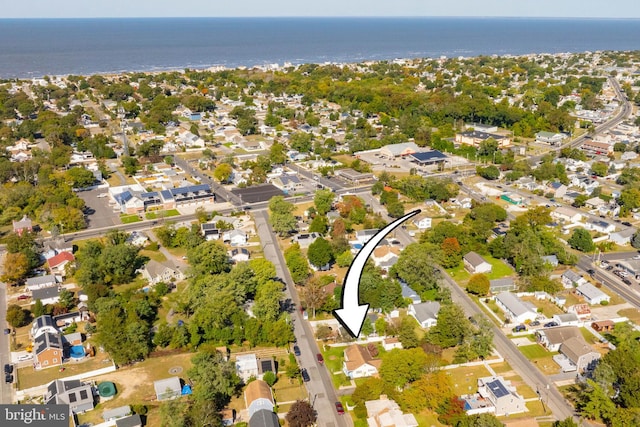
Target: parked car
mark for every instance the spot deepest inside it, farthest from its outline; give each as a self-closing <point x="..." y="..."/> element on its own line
<point x="25" y="357"/>
<point x="534" y="323"/>
<point x="8" y="378"/>
<point x="339" y="408"/>
<point x="591" y="272"/>
<point x="519" y="328"/>
<point x="305" y="376"/>
<point x="626" y="223"/>
<point x="550" y="324"/>
<point x="296" y="350"/>
<point x="23" y="297"/>
<point x="626" y="282"/>
<point x="7" y="331"/>
<point x="320" y="358"/>
<point x="8" y="368"/>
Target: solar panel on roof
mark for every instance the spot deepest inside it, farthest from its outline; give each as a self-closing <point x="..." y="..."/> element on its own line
<point x="498" y="389"/>
<point x="266" y="365"/>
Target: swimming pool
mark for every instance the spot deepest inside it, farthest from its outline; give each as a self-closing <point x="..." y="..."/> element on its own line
<point x="77" y="352"/>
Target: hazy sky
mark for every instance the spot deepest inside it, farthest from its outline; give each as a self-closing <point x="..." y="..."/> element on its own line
<point x="225" y="8"/>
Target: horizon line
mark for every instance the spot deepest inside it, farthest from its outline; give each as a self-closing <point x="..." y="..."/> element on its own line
<point x="329" y="17"/>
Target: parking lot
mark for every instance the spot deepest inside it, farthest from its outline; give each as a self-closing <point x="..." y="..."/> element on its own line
<point x="381" y="163"/>
<point x="98" y="211"/>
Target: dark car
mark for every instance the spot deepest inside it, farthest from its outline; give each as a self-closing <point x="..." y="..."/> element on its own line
<point x="534" y="323"/>
<point x="591" y="272"/>
<point x="519" y="328"/>
<point x="339" y="408"/>
<point x="296" y="350"/>
<point x="305" y="376"/>
<point x="626" y="281"/>
<point x="626" y="223"/>
<point x="320" y="358"/>
<point x="8" y="378"/>
<point x="550" y="324"/>
<point x="7" y="331"/>
<point x="8" y="368"/>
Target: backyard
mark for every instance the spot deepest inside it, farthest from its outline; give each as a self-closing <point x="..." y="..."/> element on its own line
<point x="541" y="358"/>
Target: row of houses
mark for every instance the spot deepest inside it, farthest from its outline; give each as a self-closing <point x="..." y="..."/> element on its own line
<point x="134" y="200"/>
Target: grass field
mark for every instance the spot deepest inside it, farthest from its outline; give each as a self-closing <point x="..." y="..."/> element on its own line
<point x="162" y="214"/>
<point x="540" y="357"/>
<point x="534" y="351"/>
<point x="154" y="255"/>
<point x="128" y="219"/>
<point x="499" y="270"/>
<point x="29" y="377"/>
<point x="465" y="379"/>
<point x="548" y="307"/>
<point x="632" y="314"/>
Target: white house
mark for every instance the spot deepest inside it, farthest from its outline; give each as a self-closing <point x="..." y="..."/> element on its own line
<point x="426" y="313"/>
<point x="155" y="272"/>
<point x="592" y="294"/>
<point x="239" y="254"/>
<point x="566" y="214"/>
<point x="40" y="282"/>
<point x="363" y="236"/>
<point x="566" y="319"/>
<point x="423" y="223"/>
<point x="247" y="366"/>
<point x="551" y="138"/>
<point x="358" y="362"/>
<point x="502" y="395"/>
<point x="581" y="355"/>
<point x="600" y="226"/>
<point x="50" y="295"/>
<point x="551" y="338"/>
<point x="515" y="309"/>
<point x="474" y="263"/>
<point x="168" y="388"/>
<point x="622" y="237"/>
<point x="235" y="237"/>
<point x="386" y="413"/>
<point x="41" y="325"/>
<point x="390" y="343"/>
<point x="571" y="279"/>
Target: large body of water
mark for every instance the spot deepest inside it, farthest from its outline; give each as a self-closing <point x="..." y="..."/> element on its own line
<point x="33" y="48"/>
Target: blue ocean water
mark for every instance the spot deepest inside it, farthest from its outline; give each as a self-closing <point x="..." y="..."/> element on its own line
<point x="36" y="47"/>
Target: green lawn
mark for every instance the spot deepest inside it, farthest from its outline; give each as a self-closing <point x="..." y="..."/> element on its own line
<point x="459" y="274"/>
<point x="128" y="219"/>
<point x="499" y="270"/>
<point x="465" y="379"/>
<point x="162" y="214"/>
<point x="534" y="351"/>
<point x="588" y="336"/>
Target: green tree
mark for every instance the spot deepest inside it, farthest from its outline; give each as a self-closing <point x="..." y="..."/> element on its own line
<point x="296" y="263"/>
<point x="65" y="299"/>
<point x="581" y="240"/>
<point x="635" y="240"/>
<point x="478" y="284"/>
<point x="415" y="267"/>
<point x="263" y="270"/>
<point x="599" y="168"/>
<point x="323" y="200"/>
<point x="320" y="253"/>
<point x="407" y="334"/>
<point x="223" y="172"/>
<point x="452" y="327"/>
<point x="17" y="317"/>
<point x="80" y="177"/>
<point x="16" y="267"/>
<point x="567" y="422"/>
<point x="215" y="379"/>
<point x="402" y="367"/>
<point x="490" y="172"/>
<point x="209" y="258"/>
<point x="313" y="295"/>
<point x="267" y="302"/>
<point x="38" y="308"/>
<point x="281" y="216"/>
<point x="319" y="224"/>
<point x="270" y="378"/>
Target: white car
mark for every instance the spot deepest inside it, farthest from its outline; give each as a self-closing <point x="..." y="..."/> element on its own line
<point x="24" y="357"/>
<point x="101" y="195"/>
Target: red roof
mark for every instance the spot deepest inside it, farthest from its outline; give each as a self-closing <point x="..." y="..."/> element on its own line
<point x="60" y="258"/>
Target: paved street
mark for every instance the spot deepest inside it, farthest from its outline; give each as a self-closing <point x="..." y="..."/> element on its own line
<point x="5" y="354"/>
<point x="320" y="388"/>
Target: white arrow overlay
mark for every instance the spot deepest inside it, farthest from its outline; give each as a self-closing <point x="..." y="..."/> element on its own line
<point x="352" y="313"/>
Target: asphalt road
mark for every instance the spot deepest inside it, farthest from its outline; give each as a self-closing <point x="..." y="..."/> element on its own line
<point x="6" y="395"/>
<point x="551" y="397"/>
<point x="321" y="392"/>
<point x="629" y="293"/>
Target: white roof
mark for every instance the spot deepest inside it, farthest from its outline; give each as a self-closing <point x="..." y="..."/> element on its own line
<point x="513" y="303"/>
<point x="590" y="291"/>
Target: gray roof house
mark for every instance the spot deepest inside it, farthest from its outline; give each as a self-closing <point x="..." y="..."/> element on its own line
<point x="426" y="313"/>
<point x="407" y="292"/>
<point x="115" y="413"/>
<point x="130" y="421"/>
<point x="505" y="284"/>
<point x="622" y="237"/>
<point x="551" y="338"/>
<point x="474" y="263"/>
<point x="77" y="395"/>
<point x="551" y="260"/>
<point x="264" y="418"/>
<point x="304" y="240"/>
<point x="581" y="355"/>
<point x="168" y="388"/>
<point x="155" y="272"/>
<point x="592" y="294"/>
<point x="41" y="325"/>
<point x="502" y="395"/>
<point x="41" y="282"/>
<point x="514" y="309"/>
<point x="571" y="279"/>
<point x="50" y="295"/>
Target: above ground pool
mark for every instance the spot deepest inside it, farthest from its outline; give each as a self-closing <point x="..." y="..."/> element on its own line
<point x="77" y="352"/>
<point x="106" y="389"/>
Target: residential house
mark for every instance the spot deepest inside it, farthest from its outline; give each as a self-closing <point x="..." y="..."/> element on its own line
<point x="570" y="279"/>
<point x="423" y="223"/>
<point x="258" y="396"/>
<point x="228" y="416"/>
<point x="506" y="284"/>
<point x="502" y="395"/>
<point x="155" y="272"/>
<point x="597" y="148"/>
<point x="551" y="338"/>
<point x="515" y="309"/>
<point x="116" y="413"/>
<point x="247" y="366"/>
<point x="385" y="257"/>
<point x="137" y="238"/>
<point x="426" y="313"/>
<point x="557" y="189"/>
<point x="474" y="263"/>
<point x="305" y="240"/>
<point x="408" y="292"/>
<point x="386" y="413"/>
<point x="622" y="237"/>
<point x="130" y="421"/>
<point x="603" y="326"/>
<point x="41" y="325"/>
<point x="354" y="177"/>
<point x="266" y="365"/>
<point x="235" y="237"/>
<point x="570" y="196"/>
<point x="587" y="183"/>
<point x="461" y="202"/>
<point x="594" y="203"/>
<point x="210" y="231"/>
<point x="48" y="350"/>
<point x="358" y="362"/>
<point x="390" y="343"/>
<point x="40" y="282"/>
<point x="551" y="138"/>
<point x="264" y="418"/>
<point x="58" y="263"/>
<point x="233" y="222"/>
<point x="592" y="294"/>
<point x="363" y="236"/>
<point x="287" y="183"/>
<point x="581" y="355"/>
<point x="566" y="214"/>
<point x="566" y="319"/>
<point x="399" y="150"/>
<point x="168" y="388"/>
<point x="475" y="138"/>
<point x="239" y="254"/>
<point x="50" y="295"/>
<point x="23" y="225"/>
<point x="74" y="393"/>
